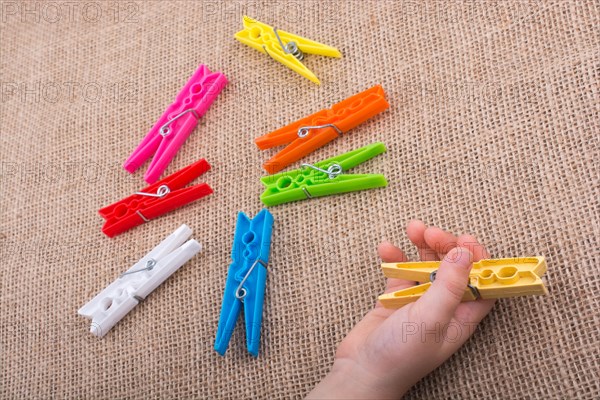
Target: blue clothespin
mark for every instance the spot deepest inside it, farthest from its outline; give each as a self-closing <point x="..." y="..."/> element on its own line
<point x="246" y="280"/>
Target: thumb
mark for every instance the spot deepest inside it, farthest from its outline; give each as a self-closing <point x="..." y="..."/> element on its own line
<point x="446" y="292"/>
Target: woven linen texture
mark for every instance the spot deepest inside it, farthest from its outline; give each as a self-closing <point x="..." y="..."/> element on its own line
<point x="492" y="130"/>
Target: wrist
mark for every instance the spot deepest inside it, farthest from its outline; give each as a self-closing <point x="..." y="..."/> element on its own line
<point x="350" y="380"/>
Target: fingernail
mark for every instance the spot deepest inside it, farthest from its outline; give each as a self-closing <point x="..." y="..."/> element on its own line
<point x="459" y="256"/>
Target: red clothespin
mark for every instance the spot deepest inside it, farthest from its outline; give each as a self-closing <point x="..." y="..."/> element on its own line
<point x="308" y="134"/>
<point x="155" y="200"/>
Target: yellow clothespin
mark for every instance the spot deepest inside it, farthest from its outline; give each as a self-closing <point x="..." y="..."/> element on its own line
<point x="488" y="279"/>
<point x="282" y="46"/>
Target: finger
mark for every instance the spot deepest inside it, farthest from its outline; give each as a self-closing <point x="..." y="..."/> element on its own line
<point x="440" y="241"/>
<point x="440" y="301"/>
<point x="467" y="315"/>
<point x="390" y="253"/>
<point x="472" y="244"/>
<point x="472" y="312"/>
<point x="415" y="230"/>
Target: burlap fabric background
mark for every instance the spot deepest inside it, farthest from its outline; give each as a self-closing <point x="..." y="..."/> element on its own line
<point x="493" y="129"/>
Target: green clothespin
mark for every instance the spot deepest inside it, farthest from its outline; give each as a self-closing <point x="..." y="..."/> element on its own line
<point x="323" y="178"/>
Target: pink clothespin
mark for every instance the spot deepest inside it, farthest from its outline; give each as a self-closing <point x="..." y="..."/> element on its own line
<point x="177" y="123"/>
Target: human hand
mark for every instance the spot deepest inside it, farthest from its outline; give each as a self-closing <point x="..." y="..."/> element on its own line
<point x="390" y="350"/>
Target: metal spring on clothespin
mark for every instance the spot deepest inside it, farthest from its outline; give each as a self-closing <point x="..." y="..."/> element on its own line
<point x="472" y="288"/>
<point x="162" y="191"/>
<point x="240" y="292"/>
<point x="165" y="130"/>
<point x="303" y="132"/>
<point x="290" y="48"/>
<point x="150" y="264"/>
<point x="333" y="171"/>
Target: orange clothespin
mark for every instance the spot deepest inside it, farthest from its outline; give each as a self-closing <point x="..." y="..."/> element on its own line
<point x="313" y="132"/>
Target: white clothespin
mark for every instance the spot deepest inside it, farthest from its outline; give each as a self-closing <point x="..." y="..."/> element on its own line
<point x="121" y="296"/>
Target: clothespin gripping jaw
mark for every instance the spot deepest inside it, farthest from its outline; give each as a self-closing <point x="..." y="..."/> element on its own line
<point x="323" y="178"/>
<point x="313" y="132"/>
<point x="155" y="200"/>
<point x="134" y="285"/>
<point x="284" y="47"/>
<point x="488" y="279"/>
<point x="175" y="125"/>
<point x="246" y="281"/>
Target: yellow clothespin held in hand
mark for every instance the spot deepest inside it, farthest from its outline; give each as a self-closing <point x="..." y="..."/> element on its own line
<point x="488" y="279"/>
<point x="284" y="47"/>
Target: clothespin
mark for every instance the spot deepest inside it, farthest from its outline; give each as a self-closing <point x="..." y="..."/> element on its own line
<point x="488" y="279"/>
<point x="324" y="178"/>
<point x="284" y="47"/>
<point x="177" y="123"/>
<point x="308" y="134"/>
<point x="155" y="200"/>
<point x="113" y="303"/>
<point x="246" y="280"/>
